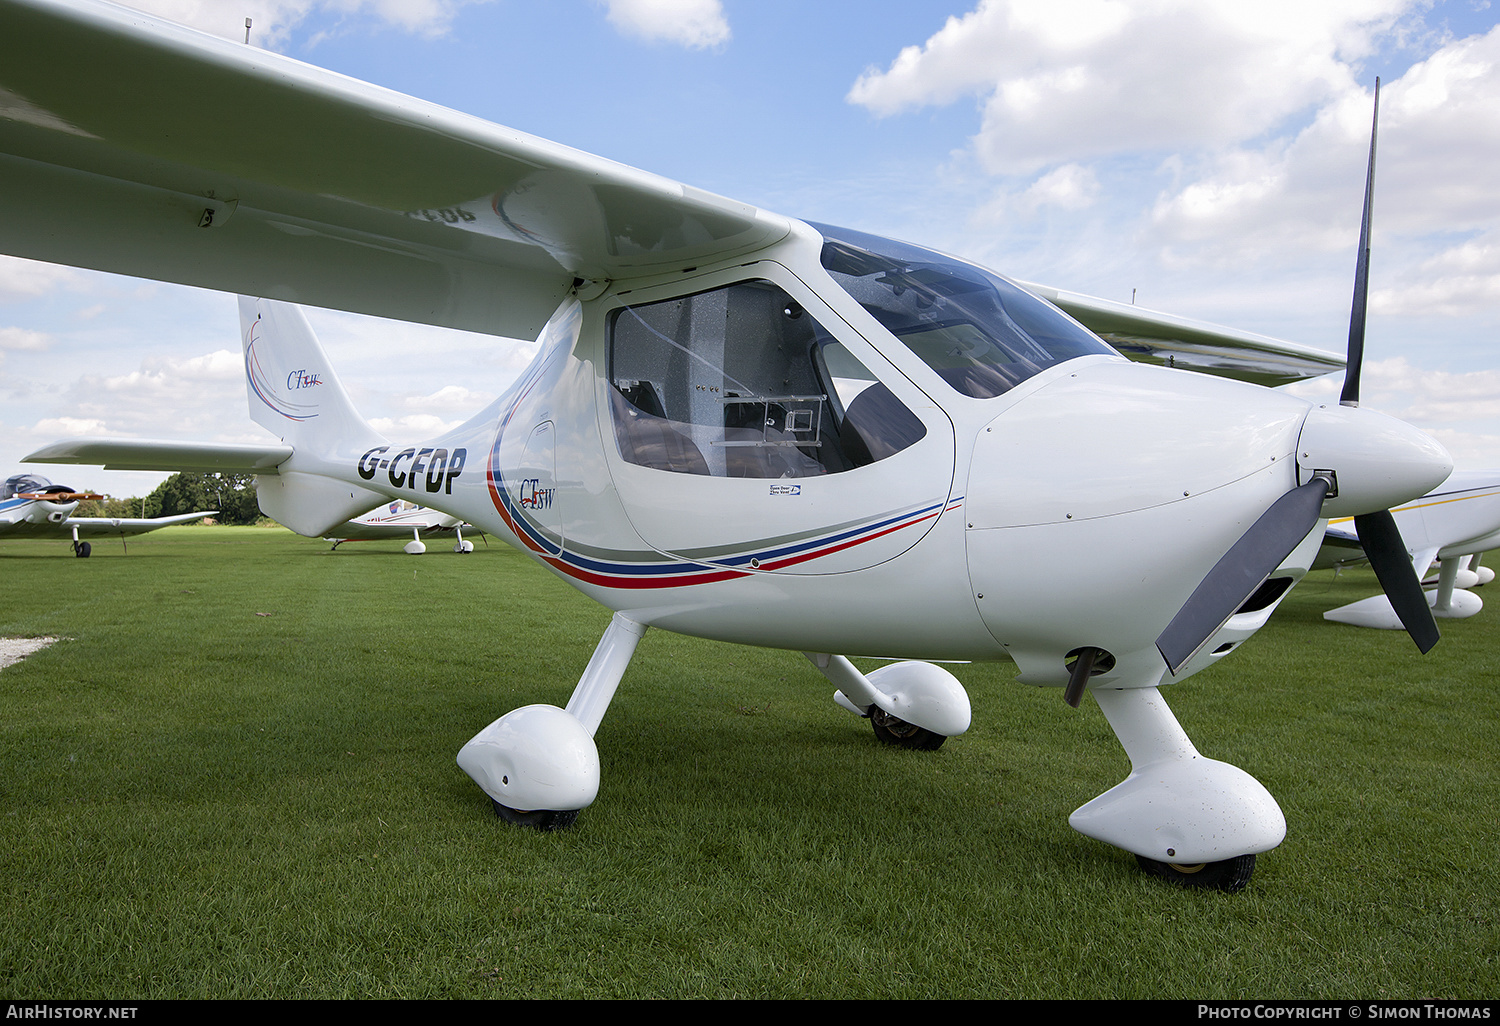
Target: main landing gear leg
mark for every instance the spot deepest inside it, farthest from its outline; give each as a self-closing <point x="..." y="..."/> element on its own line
<point x="538" y="763"/>
<point x="1195" y="821"/>
<point x="459" y="545"/>
<point x="416" y="546"/>
<point x="912" y="704"/>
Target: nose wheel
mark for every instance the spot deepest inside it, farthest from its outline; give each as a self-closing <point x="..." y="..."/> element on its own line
<point x="538" y="819"/>
<point x="895" y="731"/>
<point x="1229" y="875"/>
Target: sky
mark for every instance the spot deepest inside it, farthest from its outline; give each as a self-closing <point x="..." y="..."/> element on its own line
<point x="1199" y="157"/>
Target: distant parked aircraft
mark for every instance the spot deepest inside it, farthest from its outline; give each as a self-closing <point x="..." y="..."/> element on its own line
<point x="399" y="518"/>
<point x="1454" y="524"/>
<point x="33" y="507"/>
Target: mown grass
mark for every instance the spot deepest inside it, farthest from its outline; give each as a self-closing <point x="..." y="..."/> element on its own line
<point x="236" y="778"/>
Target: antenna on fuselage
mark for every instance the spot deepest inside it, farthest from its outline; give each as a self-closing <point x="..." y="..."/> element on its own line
<point x="247" y="31"/>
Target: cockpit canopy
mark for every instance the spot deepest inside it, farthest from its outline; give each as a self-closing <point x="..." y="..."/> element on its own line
<point x="981" y="334"/>
<point x="25" y="484"/>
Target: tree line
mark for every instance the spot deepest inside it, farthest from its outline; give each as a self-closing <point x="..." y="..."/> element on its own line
<point x="233" y="495"/>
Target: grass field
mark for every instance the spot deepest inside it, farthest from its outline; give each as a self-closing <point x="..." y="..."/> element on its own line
<point x="235" y="777"/>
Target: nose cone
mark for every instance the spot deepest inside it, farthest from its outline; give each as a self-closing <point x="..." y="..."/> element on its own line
<point x="1378" y="462"/>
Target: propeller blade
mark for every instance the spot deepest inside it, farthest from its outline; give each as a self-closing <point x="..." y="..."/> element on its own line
<point x="1241" y="570"/>
<point x="1381" y="539"/>
<point x="58" y="496"/>
<point x="1350" y="395"/>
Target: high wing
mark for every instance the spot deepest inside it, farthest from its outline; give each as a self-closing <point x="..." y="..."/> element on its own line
<point x="1150" y="336"/>
<point x="241" y="170"/>
<point x="236" y="169"/>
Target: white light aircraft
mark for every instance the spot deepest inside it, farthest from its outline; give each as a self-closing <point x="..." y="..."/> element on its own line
<point x="33" y="507"/>
<point x="399" y="518"/>
<point x="739" y="425"/>
<point x="1453" y="524"/>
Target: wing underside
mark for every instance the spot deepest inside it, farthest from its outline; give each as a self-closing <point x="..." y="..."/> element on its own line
<point x="236" y="169"/>
<point x="172" y="456"/>
<point x="233" y="168"/>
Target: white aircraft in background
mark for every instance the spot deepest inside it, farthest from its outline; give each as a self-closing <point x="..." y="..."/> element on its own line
<point x="739" y="425"/>
<point x="1454" y="524"/>
<point x="399" y="518"/>
<point x="33" y="507"/>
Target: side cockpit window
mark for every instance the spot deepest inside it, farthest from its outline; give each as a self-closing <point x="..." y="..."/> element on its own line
<point x="743" y="382"/>
<point x="980" y="333"/>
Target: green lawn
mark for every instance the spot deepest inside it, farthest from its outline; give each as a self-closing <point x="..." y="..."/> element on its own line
<point x="236" y="778"/>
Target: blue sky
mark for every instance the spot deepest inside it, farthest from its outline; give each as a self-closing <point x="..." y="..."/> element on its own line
<point x="1206" y="156"/>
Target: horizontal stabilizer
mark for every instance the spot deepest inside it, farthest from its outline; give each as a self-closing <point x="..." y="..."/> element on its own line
<point x="130" y="525"/>
<point x="151" y="454"/>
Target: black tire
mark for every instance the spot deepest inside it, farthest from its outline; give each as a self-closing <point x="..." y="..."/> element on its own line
<point x="892" y="730"/>
<point x="83" y="550"/>
<point x="1229" y="875"/>
<point x="538" y="819"/>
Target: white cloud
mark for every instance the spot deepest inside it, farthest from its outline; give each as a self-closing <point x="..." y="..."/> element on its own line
<point x="1070" y="187"/>
<point x="697" y="24"/>
<point x="169" y="376"/>
<point x="1064" y="80"/>
<point x="273" y="20"/>
<point x="24" y="338"/>
<point x="27" y="279"/>
<point x="1439" y="143"/>
<point x="70" y="427"/>
<point x="1446" y="404"/>
<point x="1459" y="281"/>
<point x="452" y="399"/>
<point x="198" y="391"/>
<point x="416" y="425"/>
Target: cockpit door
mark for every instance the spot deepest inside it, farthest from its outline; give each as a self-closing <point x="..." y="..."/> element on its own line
<point x="748" y="427"/>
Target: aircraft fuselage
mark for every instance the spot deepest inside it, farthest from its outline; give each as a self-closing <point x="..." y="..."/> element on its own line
<point x="717" y="490"/>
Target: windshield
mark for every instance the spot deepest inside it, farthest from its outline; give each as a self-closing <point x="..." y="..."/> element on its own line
<point x="24" y="484"/>
<point x="980" y="333"/>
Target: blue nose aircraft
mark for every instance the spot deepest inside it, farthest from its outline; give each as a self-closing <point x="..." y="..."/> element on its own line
<point x="33" y="507"/>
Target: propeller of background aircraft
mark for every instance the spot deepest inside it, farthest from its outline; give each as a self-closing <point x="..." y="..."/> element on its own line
<point x="60" y="494"/>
